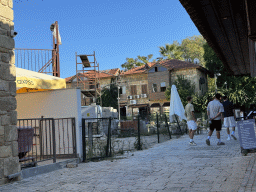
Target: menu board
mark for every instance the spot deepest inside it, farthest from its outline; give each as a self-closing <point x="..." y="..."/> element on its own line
<point x="246" y="134"/>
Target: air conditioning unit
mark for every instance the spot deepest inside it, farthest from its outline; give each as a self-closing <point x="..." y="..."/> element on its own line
<point x="137" y="96"/>
<point x="129" y="97"/>
<point x="143" y="95"/>
<point x="132" y="102"/>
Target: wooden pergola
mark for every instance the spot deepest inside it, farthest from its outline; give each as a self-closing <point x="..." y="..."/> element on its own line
<point x="229" y="27"/>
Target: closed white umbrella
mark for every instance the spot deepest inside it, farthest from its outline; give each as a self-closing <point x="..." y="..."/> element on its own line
<point x="176" y="107"/>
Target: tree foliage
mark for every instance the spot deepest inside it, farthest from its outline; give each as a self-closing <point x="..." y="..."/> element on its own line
<point x="171" y="51"/>
<point x="189" y="49"/>
<point x="184" y="87"/>
<point x="139" y="61"/>
<point x="192" y="48"/>
<point x="109" y="95"/>
<point x="212" y="62"/>
<point x="240" y="89"/>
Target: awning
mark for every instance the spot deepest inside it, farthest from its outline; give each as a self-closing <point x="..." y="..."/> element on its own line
<point x="155" y="105"/>
<point x="31" y="80"/>
<point x="138" y="106"/>
<point x="166" y="104"/>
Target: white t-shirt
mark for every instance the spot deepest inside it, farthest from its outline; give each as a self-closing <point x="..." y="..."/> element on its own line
<point x="214" y="107"/>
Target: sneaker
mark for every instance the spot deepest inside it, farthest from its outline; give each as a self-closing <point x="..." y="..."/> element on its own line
<point x="228" y="139"/>
<point x="220" y="143"/>
<point x="192" y="143"/>
<point x="207" y="141"/>
<point x="234" y="137"/>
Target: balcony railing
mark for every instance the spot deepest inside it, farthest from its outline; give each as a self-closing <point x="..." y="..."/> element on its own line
<point x="39" y="60"/>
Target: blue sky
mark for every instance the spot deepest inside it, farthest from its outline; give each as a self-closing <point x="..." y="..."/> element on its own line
<point x="114" y="29"/>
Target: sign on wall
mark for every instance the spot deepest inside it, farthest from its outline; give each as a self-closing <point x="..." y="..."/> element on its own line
<point x="246" y="134"/>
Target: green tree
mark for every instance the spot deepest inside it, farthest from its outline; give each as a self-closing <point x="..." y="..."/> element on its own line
<point x="212" y="62"/>
<point x="139" y="61"/>
<point x="240" y="89"/>
<point x="184" y="87"/>
<point x="192" y="48"/>
<point x="109" y="95"/>
<point x="171" y="51"/>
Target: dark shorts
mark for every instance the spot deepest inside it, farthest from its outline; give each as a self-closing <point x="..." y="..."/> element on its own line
<point x="216" y="124"/>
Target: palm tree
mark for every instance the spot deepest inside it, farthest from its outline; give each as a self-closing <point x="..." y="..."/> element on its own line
<point x="171" y="51"/>
<point x="139" y="61"/>
<point x="144" y="59"/>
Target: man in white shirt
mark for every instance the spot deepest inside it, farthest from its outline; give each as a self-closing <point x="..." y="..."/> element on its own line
<point x="215" y="113"/>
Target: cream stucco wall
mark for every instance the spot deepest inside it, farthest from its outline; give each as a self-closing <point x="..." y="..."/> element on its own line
<point x="62" y="103"/>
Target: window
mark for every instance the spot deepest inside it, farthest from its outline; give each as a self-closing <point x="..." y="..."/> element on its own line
<point x="154" y="87"/>
<point x="163" y="87"/>
<point x="152" y="70"/>
<point x="133" y="90"/>
<point x="123" y="90"/>
<point x="162" y="69"/>
<point x="144" y="89"/>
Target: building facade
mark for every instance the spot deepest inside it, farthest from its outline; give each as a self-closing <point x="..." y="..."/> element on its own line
<point x="134" y="92"/>
<point x="89" y="80"/>
<point x="145" y="86"/>
<point x="142" y="89"/>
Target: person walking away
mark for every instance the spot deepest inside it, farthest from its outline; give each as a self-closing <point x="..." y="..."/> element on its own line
<point x="191" y="120"/>
<point x="215" y="113"/>
<point x="229" y="117"/>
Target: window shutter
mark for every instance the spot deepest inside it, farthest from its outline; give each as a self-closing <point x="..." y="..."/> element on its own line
<point x="133" y="90"/>
<point x="144" y="89"/>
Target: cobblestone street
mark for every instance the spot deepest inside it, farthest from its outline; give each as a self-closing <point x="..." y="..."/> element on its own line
<point x="170" y="166"/>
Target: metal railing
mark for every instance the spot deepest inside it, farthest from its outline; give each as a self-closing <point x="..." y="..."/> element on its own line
<point x="39" y="60"/>
<point x="42" y="139"/>
<point x="96" y="138"/>
<point x="103" y="137"/>
<point x="65" y="137"/>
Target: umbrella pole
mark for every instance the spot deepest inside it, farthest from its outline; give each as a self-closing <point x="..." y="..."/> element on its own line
<point x="178" y="123"/>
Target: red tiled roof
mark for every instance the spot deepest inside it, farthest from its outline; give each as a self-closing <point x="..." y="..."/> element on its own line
<point x="111" y="71"/>
<point x="69" y="78"/>
<point x="175" y="64"/>
<point x="90" y="75"/>
<point x="140" y="69"/>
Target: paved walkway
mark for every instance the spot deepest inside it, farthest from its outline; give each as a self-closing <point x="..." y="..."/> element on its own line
<point x="170" y="166"/>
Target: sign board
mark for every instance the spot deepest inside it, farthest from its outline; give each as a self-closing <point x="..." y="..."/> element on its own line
<point x="246" y="134"/>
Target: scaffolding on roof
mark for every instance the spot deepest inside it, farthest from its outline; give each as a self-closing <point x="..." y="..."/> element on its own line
<point x="87" y="78"/>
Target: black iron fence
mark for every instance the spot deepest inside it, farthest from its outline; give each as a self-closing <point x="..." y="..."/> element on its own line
<point x="42" y="139"/>
<point x="96" y="137"/>
<point x="106" y="137"/>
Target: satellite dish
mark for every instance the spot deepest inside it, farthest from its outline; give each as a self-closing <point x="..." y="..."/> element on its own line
<point x="196" y="61"/>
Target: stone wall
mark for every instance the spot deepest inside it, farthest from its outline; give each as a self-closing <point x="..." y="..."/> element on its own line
<point x="157" y="78"/>
<point x="9" y="161"/>
<point x="138" y="80"/>
<point x="194" y="76"/>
